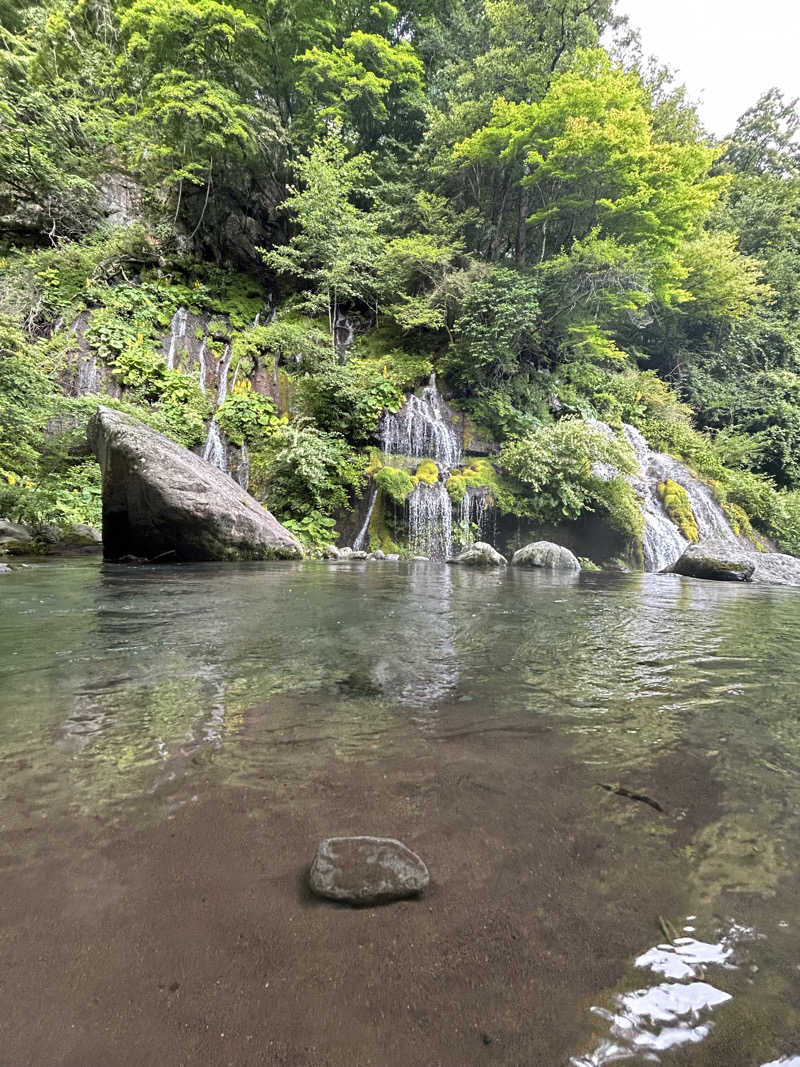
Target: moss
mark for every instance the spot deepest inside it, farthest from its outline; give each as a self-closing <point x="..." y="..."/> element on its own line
<point x="427" y="472"/>
<point x="588" y="564"/>
<point x="380" y="536"/>
<point x="394" y="483"/>
<point x="457" y="487"/>
<point x="677" y="505"/>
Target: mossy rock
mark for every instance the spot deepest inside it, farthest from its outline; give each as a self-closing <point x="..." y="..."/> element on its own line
<point x="394" y="483"/>
<point x="427" y="472"/>
<point x="679" y="509"/>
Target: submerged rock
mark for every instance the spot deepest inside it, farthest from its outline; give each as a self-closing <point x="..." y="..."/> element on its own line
<point x="162" y="501"/>
<point x="728" y="561"/>
<point x="367" y="870"/>
<point x="480" y="555"/>
<point x="4" y="568"/>
<point x="546" y="554"/>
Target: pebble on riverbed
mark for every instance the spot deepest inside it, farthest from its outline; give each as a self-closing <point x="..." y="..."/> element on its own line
<point x="367" y="870"/>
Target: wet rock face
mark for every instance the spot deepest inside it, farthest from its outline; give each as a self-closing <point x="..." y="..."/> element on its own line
<point x="14" y="538"/>
<point x="728" y="561"/>
<point x="480" y="555"/>
<point x="367" y="870"/>
<point x="161" y="500"/>
<point x="547" y="555"/>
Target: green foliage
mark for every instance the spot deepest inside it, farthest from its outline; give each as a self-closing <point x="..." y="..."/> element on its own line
<point x="336" y="241"/>
<point x="554" y="471"/>
<point x="306" y="470"/>
<point x="427" y="472"/>
<point x="496" y="330"/>
<point x="314" y="530"/>
<point x="249" y="418"/>
<point x="678" y="506"/>
<point x="394" y="483"/>
<point x="348" y="399"/>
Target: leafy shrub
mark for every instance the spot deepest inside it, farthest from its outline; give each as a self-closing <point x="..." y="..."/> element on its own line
<point x="249" y="418"/>
<point x="561" y="470"/>
<point x="395" y="483"/>
<point x="348" y="400"/>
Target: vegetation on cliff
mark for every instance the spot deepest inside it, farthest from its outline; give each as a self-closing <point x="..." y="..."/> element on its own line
<point x="473" y="187"/>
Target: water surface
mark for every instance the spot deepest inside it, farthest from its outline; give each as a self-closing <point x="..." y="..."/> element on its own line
<point x="128" y="693"/>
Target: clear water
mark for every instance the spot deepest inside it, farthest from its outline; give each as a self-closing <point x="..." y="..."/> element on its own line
<point x="119" y="684"/>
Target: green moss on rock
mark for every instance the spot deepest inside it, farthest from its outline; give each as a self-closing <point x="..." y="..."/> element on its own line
<point x="394" y="483"/>
<point x="678" y="507"/>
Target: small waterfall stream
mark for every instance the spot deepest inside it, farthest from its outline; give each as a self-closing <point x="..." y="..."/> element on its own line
<point x="474" y="510"/>
<point x="662" y="542"/>
<point x="422" y="429"/>
<point x="361" y="537"/>
<point x="177" y="332"/>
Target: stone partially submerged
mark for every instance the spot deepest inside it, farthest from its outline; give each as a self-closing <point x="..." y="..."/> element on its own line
<point x="729" y="561"/>
<point x="366" y="870"/>
<point x="162" y="501"/>
<point x="480" y="555"/>
<point x="547" y="555"/>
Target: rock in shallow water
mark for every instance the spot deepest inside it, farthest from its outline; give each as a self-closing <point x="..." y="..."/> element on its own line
<point x="4" y="568"/>
<point x="728" y="561"/>
<point x="366" y="870"/>
<point x="547" y="555"/>
<point x="161" y="500"/>
<point x="480" y="555"/>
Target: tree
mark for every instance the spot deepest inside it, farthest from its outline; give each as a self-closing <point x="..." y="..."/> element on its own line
<point x="336" y="242"/>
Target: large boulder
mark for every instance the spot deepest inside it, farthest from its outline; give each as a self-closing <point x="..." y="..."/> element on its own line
<point x="162" y="501"/>
<point x="729" y="561"/>
<point x="15" y="539"/>
<point x="547" y="555"/>
<point x="480" y="555"/>
<point x="367" y="870"/>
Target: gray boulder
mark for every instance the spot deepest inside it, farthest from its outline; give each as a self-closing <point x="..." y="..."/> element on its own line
<point x="358" y="554"/>
<point x="729" y="561"/>
<point x="330" y="552"/>
<point x="480" y="555"/>
<point x="367" y="870"/>
<point x="162" y="501"/>
<point x="4" y="568"/>
<point x="377" y="554"/>
<point x="15" y="538"/>
<point x="547" y="555"/>
<point x="79" y="535"/>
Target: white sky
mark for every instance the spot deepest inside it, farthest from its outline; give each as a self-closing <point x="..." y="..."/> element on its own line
<point x="727" y="52"/>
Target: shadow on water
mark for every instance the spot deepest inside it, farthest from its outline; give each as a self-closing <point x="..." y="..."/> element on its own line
<point x="126" y="691"/>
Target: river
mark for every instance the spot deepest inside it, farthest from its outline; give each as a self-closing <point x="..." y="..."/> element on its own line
<point x="601" y="771"/>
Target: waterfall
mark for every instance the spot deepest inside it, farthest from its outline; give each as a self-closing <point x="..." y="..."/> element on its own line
<point x="474" y="507"/>
<point x="177" y="331"/>
<point x="344" y="330"/>
<point x="215" y="451"/>
<point x="430" y="521"/>
<point x="88" y="377"/>
<point x="201" y="358"/>
<point x="422" y="428"/>
<point x="662" y="542"/>
<point x="361" y="538"/>
<point x="224" y="364"/>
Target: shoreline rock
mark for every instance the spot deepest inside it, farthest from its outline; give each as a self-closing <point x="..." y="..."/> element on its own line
<point x="728" y="561"/>
<point x="160" y="501"/>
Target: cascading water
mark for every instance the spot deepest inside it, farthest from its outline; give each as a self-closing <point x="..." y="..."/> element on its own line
<point x="361" y="537"/>
<point x="473" y="511"/>
<point x="88" y="377"/>
<point x="422" y="428"/>
<point x="662" y="542"/>
<point x="201" y="359"/>
<point x="430" y="521"/>
<point x="177" y="332"/>
<point x="216" y="449"/>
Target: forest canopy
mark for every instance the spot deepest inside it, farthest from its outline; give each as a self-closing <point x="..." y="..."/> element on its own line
<point x="501" y="190"/>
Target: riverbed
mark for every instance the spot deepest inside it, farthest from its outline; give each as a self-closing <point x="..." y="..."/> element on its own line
<point x="602" y="773"/>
